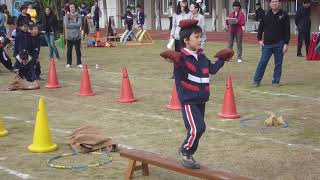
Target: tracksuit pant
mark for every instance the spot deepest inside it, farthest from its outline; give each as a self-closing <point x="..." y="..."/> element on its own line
<point x="193" y="117"/>
<point x="5" y="59"/>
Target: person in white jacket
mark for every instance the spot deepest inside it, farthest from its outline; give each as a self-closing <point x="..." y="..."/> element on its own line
<point x="181" y="13"/>
<point x="195" y="11"/>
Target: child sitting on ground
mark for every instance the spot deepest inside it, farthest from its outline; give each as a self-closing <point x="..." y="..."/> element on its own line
<point x="24" y="66"/>
<point x="35" y="50"/>
<point x="191" y="72"/>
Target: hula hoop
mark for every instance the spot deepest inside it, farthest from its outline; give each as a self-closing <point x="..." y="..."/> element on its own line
<point x="80" y="166"/>
<point x="243" y="123"/>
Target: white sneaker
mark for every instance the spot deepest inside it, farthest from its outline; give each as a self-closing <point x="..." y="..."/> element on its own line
<point x="80" y="66"/>
<point x="68" y="66"/>
<point x="239" y="60"/>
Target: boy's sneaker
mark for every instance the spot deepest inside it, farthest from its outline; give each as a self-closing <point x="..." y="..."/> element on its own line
<point x="68" y="66"/>
<point x="239" y="60"/>
<point x="80" y="66"/>
<point x="188" y="161"/>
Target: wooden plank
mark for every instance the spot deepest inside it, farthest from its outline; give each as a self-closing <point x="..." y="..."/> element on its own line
<point x="173" y="164"/>
<point x="131" y="166"/>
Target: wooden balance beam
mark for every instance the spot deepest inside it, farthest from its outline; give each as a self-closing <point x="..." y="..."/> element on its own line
<point x="169" y="163"/>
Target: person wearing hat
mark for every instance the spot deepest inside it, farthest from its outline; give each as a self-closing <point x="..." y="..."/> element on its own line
<point x="24" y="66"/>
<point x="182" y="13"/>
<point x="192" y="69"/>
<point x="235" y="22"/>
<point x="259" y="13"/>
<point x="303" y="23"/>
<point x="274" y="37"/>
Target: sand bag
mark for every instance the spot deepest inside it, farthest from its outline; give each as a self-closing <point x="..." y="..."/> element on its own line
<point x="22" y="84"/>
<point x="274" y="121"/>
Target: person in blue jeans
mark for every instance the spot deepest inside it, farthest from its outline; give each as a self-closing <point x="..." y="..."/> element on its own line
<point x="275" y="28"/>
<point x="50" y="29"/>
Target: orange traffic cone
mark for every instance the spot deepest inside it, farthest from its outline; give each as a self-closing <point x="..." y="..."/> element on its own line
<point x="85" y="89"/>
<point x="126" y="90"/>
<point x="52" y="76"/>
<point x="98" y="36"/>
<point x="174" y="103"/>
<point x="229" y="109"/>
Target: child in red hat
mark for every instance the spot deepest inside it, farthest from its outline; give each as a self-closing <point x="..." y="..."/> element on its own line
<point x="191" y="72"/>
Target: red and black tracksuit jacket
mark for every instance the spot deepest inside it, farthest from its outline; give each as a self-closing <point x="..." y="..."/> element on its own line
<point x="193" y="88"/>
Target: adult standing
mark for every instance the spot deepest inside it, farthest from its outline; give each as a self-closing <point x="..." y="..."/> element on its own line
<point x="170" y="14"/>
<point x="96" y="12"/>
<point x="235" y="30"/>
<point x="84" y="13"/>
<point x="33" y="13"/>
<point x="195" y="11"/>
<point x="50" y="30"/>
<point x="140" y="17"/>
<point x="303" y="23"/>
<point x="181" y="13"/>
<point x="72" y="22"/>
<point x="259" y="13"/>
<point x="275" y="29"/>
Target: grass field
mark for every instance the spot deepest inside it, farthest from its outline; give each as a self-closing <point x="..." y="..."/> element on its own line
<point x="291" y="153"/>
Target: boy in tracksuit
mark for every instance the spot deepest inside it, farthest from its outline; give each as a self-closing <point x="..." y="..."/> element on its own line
<point x="191" y="72"/>
<point x="128" y="17"/>
<point x="35" y="50"/>
<point x="22" y="39"/>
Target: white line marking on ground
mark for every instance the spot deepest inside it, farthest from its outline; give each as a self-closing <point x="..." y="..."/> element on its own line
<point x="15" y="173"/>
<point x="3" y="158"/>
<point x="10" y="117"/>
<point x="284" y="94"/>
<point x="171" y="120"/>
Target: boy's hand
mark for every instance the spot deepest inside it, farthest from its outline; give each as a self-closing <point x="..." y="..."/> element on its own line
<point x="16" y="71"/>
<point x="171" y="56"/>
<point x="225" y="54"/>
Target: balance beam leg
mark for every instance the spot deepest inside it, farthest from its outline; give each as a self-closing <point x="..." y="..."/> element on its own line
<point x="145" y="169"/>
<point x="131" y="166"/>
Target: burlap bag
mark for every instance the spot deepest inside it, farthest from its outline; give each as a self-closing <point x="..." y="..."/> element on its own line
<point x="22" y="84"/>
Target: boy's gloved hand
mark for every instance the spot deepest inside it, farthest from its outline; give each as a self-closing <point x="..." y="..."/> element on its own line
<point x="171" y="56"/>
<point x="225" y="54"/>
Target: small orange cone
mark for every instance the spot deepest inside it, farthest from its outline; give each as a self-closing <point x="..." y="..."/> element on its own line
<point x="85" y="89"/>
<point x="229" y="109"/>
<point x="52" y="76"/>
<point x="126" y="90"/>
<point x="174" y="103"/>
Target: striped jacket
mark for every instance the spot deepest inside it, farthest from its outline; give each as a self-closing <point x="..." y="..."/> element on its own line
<point x="192" y="76"/>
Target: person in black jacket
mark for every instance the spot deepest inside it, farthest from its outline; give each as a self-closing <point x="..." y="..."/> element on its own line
<point x="128" y="17"/>
<point x="22" y="39"/>
<point x="24" y="17"/>
<point x="4" y="58"/>
<point x="35" y="50"/>
<point x="303" y="22"/>
<point x="140" y="17"/>
<point x="259" y="13"/>
<point x="95" y="11"/>
<point x="50" y="29"/>
<point x="275" y="27"/>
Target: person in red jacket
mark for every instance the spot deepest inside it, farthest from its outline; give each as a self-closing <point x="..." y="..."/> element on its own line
<point x="235" y="22"/>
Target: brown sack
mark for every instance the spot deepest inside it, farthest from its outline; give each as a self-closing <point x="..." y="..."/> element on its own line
<point x="22" y="84"/>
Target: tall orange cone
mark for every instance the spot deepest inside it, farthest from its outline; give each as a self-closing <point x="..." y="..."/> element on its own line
<point x="85" y="89"/>
<point x="174" y="103"/>
<point x="52" y="76"/>
<point x="42" y="136"/>
<point x="126" y="90"/>
<point x="229" y="109"/>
